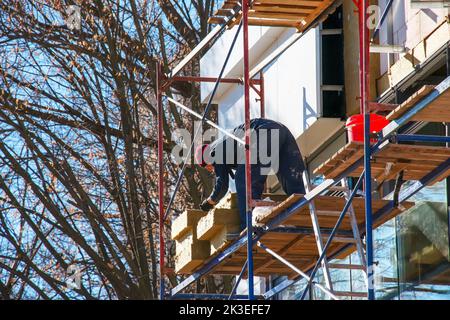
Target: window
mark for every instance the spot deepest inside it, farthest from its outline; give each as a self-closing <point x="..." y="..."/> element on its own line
<point x="332" y="57"/>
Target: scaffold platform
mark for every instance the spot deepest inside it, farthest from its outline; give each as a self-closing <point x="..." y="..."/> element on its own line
<point x="295" y="239"/>
<point x="413" y="160"/>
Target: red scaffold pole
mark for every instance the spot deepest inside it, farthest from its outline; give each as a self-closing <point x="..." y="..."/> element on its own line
<point x="364" y="67"/>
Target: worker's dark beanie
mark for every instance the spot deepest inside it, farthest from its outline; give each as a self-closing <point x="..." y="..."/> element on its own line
<point x="199" y="157"/>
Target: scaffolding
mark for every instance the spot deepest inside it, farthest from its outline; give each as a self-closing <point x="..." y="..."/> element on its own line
<point x="356" y="216"/>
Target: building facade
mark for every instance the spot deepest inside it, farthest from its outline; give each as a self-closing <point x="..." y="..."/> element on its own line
<point x="314" y="87"/>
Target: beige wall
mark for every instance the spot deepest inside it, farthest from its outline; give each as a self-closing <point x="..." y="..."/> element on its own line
<point x="421" y="31"/>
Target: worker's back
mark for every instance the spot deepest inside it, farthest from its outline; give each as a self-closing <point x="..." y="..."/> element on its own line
<point x="228" y="151"/>
<point x="273" y="149"/>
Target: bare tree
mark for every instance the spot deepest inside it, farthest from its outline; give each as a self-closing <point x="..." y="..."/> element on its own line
<point x="77" y="143"/>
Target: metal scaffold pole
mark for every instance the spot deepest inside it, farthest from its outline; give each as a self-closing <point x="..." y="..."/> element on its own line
<point x="262" y="99"/>
<point x="160" y="178"/>
<point x="248" y="176"/>
<point x="364" y="66"/>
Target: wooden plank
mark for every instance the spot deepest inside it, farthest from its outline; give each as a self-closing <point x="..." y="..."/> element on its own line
<point x="391" y="173"/>
<point x="224" y="12"/>
<point x="323" y="204"/>
<point x="343" y="152"/>
<point x="304" y="23"/>
<point x="344" y="164"/>
<point x="216" y="20"/>
<point x="281" y="252"/>
<point x="441" y="177"/>
<point x="266" y="216"/>
<point x="272" y="22"/>
<point x="401" y="150"/>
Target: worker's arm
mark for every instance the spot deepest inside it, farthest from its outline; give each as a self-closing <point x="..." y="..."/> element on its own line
<point x="221" y="185"/>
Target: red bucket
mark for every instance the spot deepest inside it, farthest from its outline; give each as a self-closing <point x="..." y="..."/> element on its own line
<point x="355" y="126"/>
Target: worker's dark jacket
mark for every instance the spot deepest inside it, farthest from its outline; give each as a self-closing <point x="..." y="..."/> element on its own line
<point x="229" y="156"/>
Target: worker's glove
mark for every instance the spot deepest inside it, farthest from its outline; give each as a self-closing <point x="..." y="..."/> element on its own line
<point x="206" y="206"/>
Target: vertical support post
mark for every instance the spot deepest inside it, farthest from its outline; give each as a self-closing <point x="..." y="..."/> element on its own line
<point x="160" y="177"/>
<point x="317" y="233"/>
<point x="262" y="100"/>
<point x="447" y="134"/>
<point x="447" y="183"/>
<point x="248" y="176"/>
<point x="365" y="94"/>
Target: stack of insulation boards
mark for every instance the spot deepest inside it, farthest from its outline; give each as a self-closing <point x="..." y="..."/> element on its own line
<point x="190" y="252"/>
<point x="199" y="234"/>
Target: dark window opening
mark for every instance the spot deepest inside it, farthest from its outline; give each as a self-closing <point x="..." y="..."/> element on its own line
<point x="332" y="65"/>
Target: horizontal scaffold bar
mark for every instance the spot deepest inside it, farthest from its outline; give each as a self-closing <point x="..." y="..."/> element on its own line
<point x="421" y="138"/>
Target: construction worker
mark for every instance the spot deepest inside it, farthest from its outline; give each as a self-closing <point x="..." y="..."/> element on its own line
<point x="286" y="161"/>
